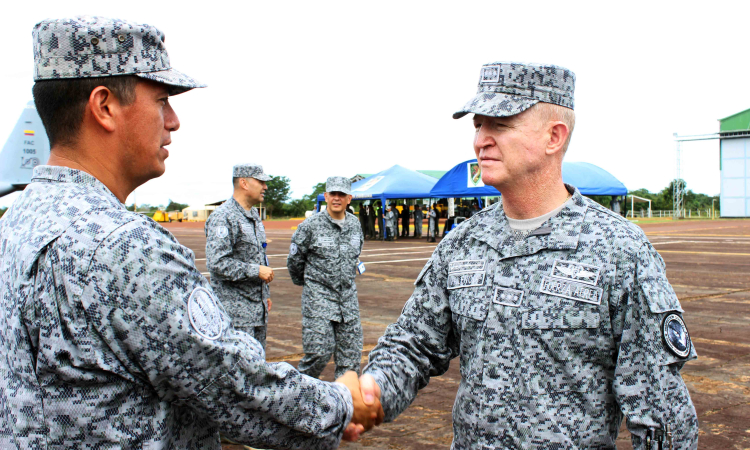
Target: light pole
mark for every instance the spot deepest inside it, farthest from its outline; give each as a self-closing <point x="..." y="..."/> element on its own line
<point x="713" y="211"/>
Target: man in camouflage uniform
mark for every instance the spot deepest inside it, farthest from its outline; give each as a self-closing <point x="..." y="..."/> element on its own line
<point x="323" y="258"/>
<point x="236" y="253"/>
<point x="559" y="310"/>
<point x="110" y="336"/>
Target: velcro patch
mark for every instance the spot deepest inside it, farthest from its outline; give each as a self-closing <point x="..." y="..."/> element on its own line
<point x="205" y="315"/>
<point x="465" y="279"/>
<point x="507" y="296"/>
<point x="490" y="74"/>
<point x="571" y="270"/>
<point x="466" y="266"/>
<point x="221" y="232"/>
<point x="570" y="289"/>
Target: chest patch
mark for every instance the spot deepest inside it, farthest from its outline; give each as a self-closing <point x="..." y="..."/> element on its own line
<point x="465" y="279"/>
<point x="205" y="315"/>
<point x="325" y="242"/>
<point x="575" y="271"/>
<point x="466" y="266"/>
<point x="571" y="289"/>
<point x="507" y="296"/>
<point x="676" y="335"/>
<point x="354" y="241"/>
<point x="248" y="230"/>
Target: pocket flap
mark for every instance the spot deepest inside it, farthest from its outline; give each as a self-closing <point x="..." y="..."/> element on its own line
<point x="469" y="306"/>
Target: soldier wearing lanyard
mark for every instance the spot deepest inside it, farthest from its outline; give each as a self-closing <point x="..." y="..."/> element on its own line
<point x="559" y="310"/>
<point x="110" y="337"/>
<point x="236" y="253"/>
<point x="323" y="258"/>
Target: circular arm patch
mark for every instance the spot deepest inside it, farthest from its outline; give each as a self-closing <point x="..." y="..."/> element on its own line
<point x="676" y="335"/>
<point x="205" y="315"/>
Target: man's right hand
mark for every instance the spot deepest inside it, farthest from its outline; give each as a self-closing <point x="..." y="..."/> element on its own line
<point x="366" y="415"/>
<point x="266" y="274"/>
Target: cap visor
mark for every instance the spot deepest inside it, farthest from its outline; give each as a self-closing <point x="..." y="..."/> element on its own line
<point x="262" y="177"/>
<point x="496" y="104"/>
<point x="178" y="81"/>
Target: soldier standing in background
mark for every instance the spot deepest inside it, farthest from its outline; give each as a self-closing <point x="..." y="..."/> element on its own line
<point x="362" y="216"/>
<point x="323" y="258"/>
<point x="418" y="216"/>
<point x="432" y="224"/>
<point x="372" y="217"/>
<point x="111" y="337"/>
<point x="236" y="253"/>
<point x="559" y="310"/>
<point x="391" y="224"/>
<point x="405" y="220"/>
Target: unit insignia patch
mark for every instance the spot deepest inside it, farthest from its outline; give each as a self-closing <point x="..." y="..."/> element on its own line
<point x="571" y="270"/>
<point x="676" y="335"/>
<point x="205" y="315"/>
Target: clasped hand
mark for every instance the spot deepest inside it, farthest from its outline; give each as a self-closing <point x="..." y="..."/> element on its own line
<point x="368" y="412"/>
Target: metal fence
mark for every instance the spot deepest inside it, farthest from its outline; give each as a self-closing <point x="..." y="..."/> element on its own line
<point x="686" y="213"/>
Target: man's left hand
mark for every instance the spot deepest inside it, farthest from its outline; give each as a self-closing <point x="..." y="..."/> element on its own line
<point x="269" y="304"/>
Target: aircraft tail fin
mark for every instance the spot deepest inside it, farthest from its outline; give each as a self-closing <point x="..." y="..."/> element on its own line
<point x="26" y="148"/>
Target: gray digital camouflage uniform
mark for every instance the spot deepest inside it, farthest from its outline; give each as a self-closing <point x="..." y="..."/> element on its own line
<point x="558" y="334"/>
<point x="323" y="258"/>
<point x="235" y="251"/>
<point x="111" y="338"/>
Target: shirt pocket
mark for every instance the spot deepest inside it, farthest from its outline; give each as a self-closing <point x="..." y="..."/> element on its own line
<point x="561" y="349"/>
<point x="469" y="308"/>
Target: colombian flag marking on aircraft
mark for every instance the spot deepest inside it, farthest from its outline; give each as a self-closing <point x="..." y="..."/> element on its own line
<point x="28" y="132"/>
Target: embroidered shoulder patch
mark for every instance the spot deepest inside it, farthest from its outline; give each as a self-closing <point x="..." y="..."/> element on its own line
<point x="205" y="315"/>
<point x="221" y="232"/>
<point x="293" y="249"/>
<point x="570" y="289"/>
<point x="676" y="335"/>
<point x="571" y="270"/>
<point x="354" y="241"/>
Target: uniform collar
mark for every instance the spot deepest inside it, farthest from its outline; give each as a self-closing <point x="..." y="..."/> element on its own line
<point x="330" y="219"/>
<point x="251" y="213"/>
<point x="61" y="174"/>
<point x="564" y="230"/>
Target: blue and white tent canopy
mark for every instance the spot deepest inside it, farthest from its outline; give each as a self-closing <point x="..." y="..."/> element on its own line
<point x="465" y="180"/>
<point x="396" y="182"/>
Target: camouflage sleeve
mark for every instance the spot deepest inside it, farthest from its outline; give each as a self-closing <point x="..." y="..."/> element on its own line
<point x="161" y="319"/>
<point x="297" y="258"/>
<point x="219" y="255"/>
<point x="653" y="346"/>
<point x="419" y="345"/>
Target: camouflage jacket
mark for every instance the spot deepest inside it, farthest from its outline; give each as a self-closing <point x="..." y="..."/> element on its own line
<point x="559" y="334"/>
<point x="111" y="338"/>
<point x="323" y="258"/>
<point x="235" y="250"/>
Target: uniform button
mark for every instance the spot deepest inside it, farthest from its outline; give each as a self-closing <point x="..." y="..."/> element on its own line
<point x="121" y="38"/>
<point x="94" y="41"/>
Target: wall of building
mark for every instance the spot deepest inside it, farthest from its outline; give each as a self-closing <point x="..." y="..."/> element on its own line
<point x="735" y="177"/>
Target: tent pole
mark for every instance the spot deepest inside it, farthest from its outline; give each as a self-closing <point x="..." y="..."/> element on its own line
<point x="383" y="209"/>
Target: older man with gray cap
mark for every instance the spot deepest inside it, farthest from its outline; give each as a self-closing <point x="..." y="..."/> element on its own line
<point x="110" y="337"/>
<point x="559" y="310"/>
<point x="236" y="253"/>
<point x="323" y="257"/>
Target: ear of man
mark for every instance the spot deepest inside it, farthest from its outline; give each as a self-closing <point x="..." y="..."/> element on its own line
<point x="558" y="134"/>
<point x="103" y="109"/>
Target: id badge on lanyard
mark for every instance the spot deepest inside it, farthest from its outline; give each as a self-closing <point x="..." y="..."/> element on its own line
<point x="360" y="267"/>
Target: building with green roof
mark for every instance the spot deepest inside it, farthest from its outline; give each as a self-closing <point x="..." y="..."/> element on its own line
<point x="734" y="138"/>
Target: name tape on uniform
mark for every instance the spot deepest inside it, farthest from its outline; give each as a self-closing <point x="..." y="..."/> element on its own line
<point x="571" y="289"/>
<point x="571" y="270"/>
<point x="465" y="279"/>
<point x="326" y="241"/>
<point x="507" y="296"/>
<point x="466" y="266"/>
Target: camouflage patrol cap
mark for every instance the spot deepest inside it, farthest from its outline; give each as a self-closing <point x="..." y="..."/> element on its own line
<point x="509" y="88"/>
<point x="339" y="184"/>
<point x="85" y="47"/>
<point x="250" y="171"/>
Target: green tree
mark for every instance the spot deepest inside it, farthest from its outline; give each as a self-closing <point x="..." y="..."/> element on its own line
<point x="174" y="206"/>
<point x="277" y="194"/>
<point x="298" y="207"/>
<point x="318" y="189"/>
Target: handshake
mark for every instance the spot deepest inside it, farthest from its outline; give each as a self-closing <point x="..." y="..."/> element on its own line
<point x="368" y="411"/>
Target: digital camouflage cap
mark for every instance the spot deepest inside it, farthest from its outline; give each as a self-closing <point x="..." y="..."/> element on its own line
<point x="339" y="184"/>
<point x="509" y="88"/>
<point x="86" y="46"/>
<point x="250" y="171"/>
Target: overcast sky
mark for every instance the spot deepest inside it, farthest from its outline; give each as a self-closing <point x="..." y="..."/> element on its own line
<point x="313" y="89"/>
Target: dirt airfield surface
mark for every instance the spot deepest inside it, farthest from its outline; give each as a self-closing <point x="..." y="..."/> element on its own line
<point x="708" y="264"/>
